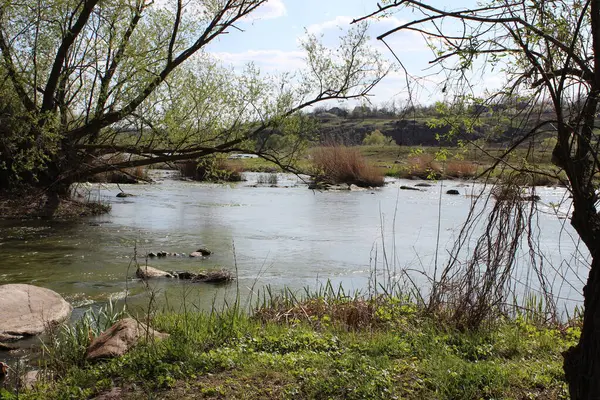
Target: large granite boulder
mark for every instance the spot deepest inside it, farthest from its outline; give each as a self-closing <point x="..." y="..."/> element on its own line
<point x="120" y="338"/>
<point x="27" y="310"/>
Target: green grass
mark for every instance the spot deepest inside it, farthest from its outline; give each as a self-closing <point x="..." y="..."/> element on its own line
<point x="319" y="352"/>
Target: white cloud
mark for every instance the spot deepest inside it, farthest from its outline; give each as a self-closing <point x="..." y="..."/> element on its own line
<point x="266" y="60"/>
<point x="339" y="21"/>
<point x="271" y="10"/>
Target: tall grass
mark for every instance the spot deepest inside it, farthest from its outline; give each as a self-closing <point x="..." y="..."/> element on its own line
<point x="340" y="164"/>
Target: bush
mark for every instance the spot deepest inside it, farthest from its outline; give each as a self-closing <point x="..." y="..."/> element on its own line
<point x="376" y="138"/>
<point x="210" y="169"/>
<point x="340" y="164"/>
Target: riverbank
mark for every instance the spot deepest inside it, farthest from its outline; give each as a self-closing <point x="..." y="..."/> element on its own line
<point x="322" y="347"/>
<point x="36" y="204"/>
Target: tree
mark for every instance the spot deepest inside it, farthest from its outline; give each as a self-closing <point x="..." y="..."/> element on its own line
<point x="549" y="51"/>
<point x="84" y="79"/>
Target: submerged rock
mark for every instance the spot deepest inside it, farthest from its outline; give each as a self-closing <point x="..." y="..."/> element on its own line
<point x="424" y="185"/>
<point x="403" y="187"/>
<point x="453" y="192"/>
<point x="123" y="195"/>
<point x="146" y="272"/>
<point x="120" y="338"/>
<point x="27" y="310"/>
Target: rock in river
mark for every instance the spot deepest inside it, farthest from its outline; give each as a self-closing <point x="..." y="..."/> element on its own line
<point x="120" y="338"/>
<point x="145" y="272"/>
<point x="453" y="191"/>
<point x="201" y="253"/>
<point x="27" y="310"/>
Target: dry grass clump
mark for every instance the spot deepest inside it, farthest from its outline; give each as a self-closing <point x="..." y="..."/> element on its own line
<point x="340" y="164"/>
<point x="424" y="166"/>
<point x="461" y="169"/>
<point x="351" y="314"/>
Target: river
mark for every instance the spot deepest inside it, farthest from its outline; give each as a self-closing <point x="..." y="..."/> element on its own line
<point x="284" y="236"/>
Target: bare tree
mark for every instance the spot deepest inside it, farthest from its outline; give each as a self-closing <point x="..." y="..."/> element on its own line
<point x="549" y="52"/>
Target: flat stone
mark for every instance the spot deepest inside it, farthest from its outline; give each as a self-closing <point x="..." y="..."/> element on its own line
<point x="146" y="272"/>
<point x="27" y="310"/>
<point x="120" y="338"/>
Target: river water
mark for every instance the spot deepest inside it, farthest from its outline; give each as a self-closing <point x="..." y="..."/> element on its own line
<point x="284" y="236"/>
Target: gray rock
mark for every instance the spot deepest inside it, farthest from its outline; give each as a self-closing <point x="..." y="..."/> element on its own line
<point x="146" y="272"/>
<point x="123" y="195"/>
<point x="354" y="188"/>
<point x="120" y="338"/>
<point x="204" y="252"/>
<point x="409" y="188"/>
<point x="27" y="310"/>
<point x="423" y="185"/>
<point x="453" y="192"/>
<point x="29" y="380"/>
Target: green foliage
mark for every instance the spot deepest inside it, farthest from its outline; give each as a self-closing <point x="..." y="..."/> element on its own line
<point x="405" y="355"/>
<point x="376" y="138"/>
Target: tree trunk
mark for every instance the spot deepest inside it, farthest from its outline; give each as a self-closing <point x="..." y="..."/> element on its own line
<point x="582" y="362"/>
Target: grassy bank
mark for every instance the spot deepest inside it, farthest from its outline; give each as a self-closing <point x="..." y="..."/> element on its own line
<point x="317" y="348"/>
<point x="434" y="162"/>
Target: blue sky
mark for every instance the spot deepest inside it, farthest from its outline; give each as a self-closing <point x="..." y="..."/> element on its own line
<point x="271" y="41"/>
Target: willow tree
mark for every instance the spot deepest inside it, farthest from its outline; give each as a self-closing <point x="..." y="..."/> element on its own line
<point x="83" y="80"/>
<point x="548" y="51"/>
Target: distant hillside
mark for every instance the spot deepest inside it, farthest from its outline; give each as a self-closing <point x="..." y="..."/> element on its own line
<point x="408" y="132"/>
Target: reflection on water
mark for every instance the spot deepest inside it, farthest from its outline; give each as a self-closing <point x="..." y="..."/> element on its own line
<point x="269" y="235"/>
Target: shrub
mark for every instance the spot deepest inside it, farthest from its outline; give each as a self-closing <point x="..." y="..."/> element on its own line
<point x="376" y="138"/>
<point x="211" y="169"/>
<point x="340" y="164"/>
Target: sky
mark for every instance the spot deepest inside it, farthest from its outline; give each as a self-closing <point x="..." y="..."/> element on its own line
<point x="271" y="40"/>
